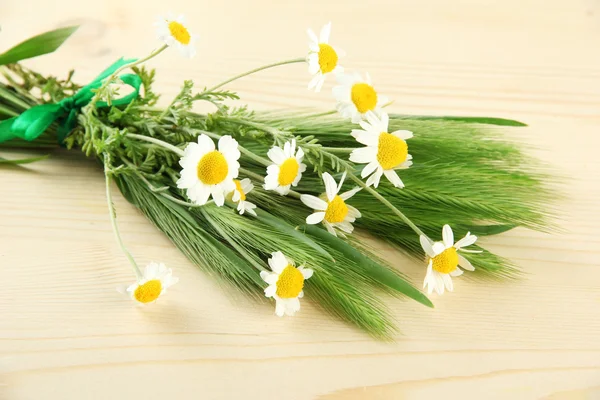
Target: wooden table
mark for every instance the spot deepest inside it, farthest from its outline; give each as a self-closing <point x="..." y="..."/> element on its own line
<point x="66" y="334"/>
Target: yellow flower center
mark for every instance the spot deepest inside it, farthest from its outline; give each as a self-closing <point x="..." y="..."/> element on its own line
<point x="288" y="171"/>
<point x="336" y="210"/>
<point x="328" y="58"/>
<point x="179" y="32"/>
<point x="148" y="292"/>
<point x="238" y="186"/>
<point x="364" y="97"/>
<point x="290" y="283"/>
<point x="446" y="261"/>
<point x="212" y="168"/>
<point x="391" y="150"/>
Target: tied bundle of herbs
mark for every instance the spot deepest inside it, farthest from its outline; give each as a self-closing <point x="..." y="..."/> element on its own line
<point x="268" y="201"/>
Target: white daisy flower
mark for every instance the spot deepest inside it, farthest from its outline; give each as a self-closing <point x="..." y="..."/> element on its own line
<point x="242" y="188"/>
<point x="444" y="260"/>
<point x="207" y="171"/>
<point x="322" y="57"/>
<point x="287" y="168"/>
<point x="156" y="280"/>
<point x="285" y="283"/>
<point x="356" y="97"/>
<point x="173" y="32"/>
<point x="332" y="210"/>
<point x="384" y="152"/>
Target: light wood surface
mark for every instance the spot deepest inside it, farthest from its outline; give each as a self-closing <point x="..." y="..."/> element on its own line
<point x="66" y="334"/>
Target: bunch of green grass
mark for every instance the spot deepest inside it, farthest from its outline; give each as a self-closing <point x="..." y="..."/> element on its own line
<point x="464" y="174"/>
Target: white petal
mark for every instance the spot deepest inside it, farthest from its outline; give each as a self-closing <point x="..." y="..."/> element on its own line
<point x="315" y="80"/>
<point x="300" y="157"/>
<point x="426" y="245"/>
<point x="394" y="178"/>
<point x="206" y="143"/>
<point x="279" y="308"/>
<point x="448" y="282"/>
<point x="227" y="144"/>
<point x="270" y="290"/>
<point x="447" y="236"/>
<point x="292" y="306"/>
<point x="466" y="241"/>
<point x="278" y="262"/>
<point x="250" y="209"/>
<point x="353" y="212"/>
<point x="456" y="272"/>
<point x="306" y="272"/>
<point x="217" y="195"/>
<point x="276" y="155"/>
<point x="236" y="196"/>
<point x="439" y="283"/>
<point x="330" y="186"/>
<point x="369" y="168"/>
<point x="364" y="155"/>
<point x="312" y="36"/>
<point x="438" y="247"/>
<point x="377" y="176"/>
<point x="350" y="193"/>
<point x="465" y="264"/>
<point x="325" y="32"/>
<point x="151" y="271"/>
<point x="320" y="84"/>
<point x="345" y="226"/>
<point x="404" y="135"/>
<point x="404" y="165"/>
<point x="201" y="193"/>
<point x="329" y="228"/>
<point x="315" y="218"/>
<point x="314" y="202"/>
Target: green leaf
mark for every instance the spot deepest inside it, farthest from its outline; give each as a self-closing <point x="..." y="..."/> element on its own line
<point x="37" y="45"/>
<point x="486" y="230"/>
<point x="23" y="160"/>
<point x="288" y="229"/>
<point x="468" y="120"/>
<point x="372" y="268"/>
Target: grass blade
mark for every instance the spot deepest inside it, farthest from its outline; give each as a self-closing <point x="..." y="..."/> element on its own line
<point x="38" y="45"/>
<point x="286" y="228"/>
<point x="23" y="160"/>
<point x="372" y="268"/>
<point x="468" y="120"/>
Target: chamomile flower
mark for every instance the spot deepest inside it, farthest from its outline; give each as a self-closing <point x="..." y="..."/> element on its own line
<point x="242" y="188"/>
<point x="332" y="209"/>
<point x="384" y="152"/>
<point x="209" y="172"/>
<point x="356" y="97"/>
<point x="285" y="283"/>
<point x="444" y="260"/>
<point x="287" y="168"/>
<point x="157" y="278"/>
<point x="322" y="57"/>
<point x="174" y="33"/>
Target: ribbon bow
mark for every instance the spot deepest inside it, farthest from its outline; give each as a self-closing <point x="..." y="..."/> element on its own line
<point x="33" y="122"/>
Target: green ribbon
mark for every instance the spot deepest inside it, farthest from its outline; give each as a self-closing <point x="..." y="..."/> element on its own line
<point x="33" y="122"/>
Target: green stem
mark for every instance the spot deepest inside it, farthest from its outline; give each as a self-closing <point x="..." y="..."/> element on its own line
<point x="110" y="79"/>
<point x="113" y="220"/>
<point x="158" y="142"/>
<point x="277" y="64"/>
<point x="382" y="199"/>
<point x="339" y="149"/>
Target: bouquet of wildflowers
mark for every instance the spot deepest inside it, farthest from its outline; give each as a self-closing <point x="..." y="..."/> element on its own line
<point x="269" y="201"/>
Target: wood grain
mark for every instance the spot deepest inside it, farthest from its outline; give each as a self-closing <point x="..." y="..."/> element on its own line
<point x="66" y="334"/>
